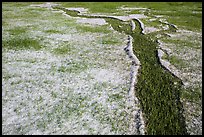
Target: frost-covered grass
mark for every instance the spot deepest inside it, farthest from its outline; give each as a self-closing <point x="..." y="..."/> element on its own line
<point x="102" y="29"/>
<point x="75" y="83"/>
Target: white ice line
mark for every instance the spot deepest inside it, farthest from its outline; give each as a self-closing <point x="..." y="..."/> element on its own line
<point x="167" y="64"/>
<point x="137" y="121"/>
<point x="132" y="23"/>
<point x="165" y="22"/>
<point x="141" y="24"/>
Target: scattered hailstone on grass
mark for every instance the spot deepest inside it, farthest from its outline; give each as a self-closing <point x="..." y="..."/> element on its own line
<point x="153" y="19"/>
<point x="92" y="21"/>
<point x="44" y="61"/>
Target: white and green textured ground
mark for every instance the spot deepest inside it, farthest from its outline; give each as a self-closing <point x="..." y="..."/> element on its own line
<point x="68" y="75"/>
<point x="75" y="84"/>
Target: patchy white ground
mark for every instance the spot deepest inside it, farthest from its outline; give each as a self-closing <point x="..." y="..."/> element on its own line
<point x="84" y="91"/>
<point x="92" y="21"/>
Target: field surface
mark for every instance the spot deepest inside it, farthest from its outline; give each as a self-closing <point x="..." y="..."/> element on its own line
<point x="102" y="68"/>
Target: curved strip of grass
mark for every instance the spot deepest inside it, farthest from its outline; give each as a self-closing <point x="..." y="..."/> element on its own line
<point x="158" y="90"/>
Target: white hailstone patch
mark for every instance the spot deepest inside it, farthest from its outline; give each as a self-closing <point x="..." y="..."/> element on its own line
<point x="103" y="75"/>
<point x="197" y="12"/>
<point x="123" y="18"/>
<point x="81" y="10"/>
<point x="153" y="19"/>
<point x="92" y="21"/>
<point x="132" y="8"/>
<point x="182" y="34"/>
<point x="60" y="37"/>
<point x="165" y="27"/>
<point x="148" y="30"/>
<point x="45" y="5"/>
<point x="129" y="17"/>
<point x="158" y="16"/>
<point x="137" y="16"/>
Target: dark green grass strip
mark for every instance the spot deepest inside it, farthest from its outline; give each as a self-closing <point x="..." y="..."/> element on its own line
<point x="158" y="90"/>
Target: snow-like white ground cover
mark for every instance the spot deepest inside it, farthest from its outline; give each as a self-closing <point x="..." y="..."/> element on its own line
<point x="83" y="91"/>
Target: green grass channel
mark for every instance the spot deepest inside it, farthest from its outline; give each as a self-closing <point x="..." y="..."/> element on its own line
<point x="158" y="90"/>
<point x="159" y="96"/>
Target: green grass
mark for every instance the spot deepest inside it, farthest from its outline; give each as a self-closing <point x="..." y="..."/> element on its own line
<point x="95" y="7"/>
<point x="18" y="4"/>
<point x="158" y="95"/>
<point x="182" y="19"/>
<point x="19" y="8"/>
<point x="71" y="67"/>
<point x="174" y="60"/>
<point x="64" y="48"/>
<point x="53" y="94"/>
<point x="102" y="29"/>
<point x="53" y="31"/>
<point x="32" y="11"/>
<point x="18" y="43"/>
<point x="17" y="31"/>
<point x="154" y="23"/>
<point x="178" y="63"/>
<point x="192" y="95"/>
<point x="182" y="43"/>
<point x="109" y="40"/>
